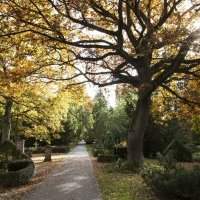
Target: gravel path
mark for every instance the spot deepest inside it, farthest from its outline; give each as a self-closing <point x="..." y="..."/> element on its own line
<point x="73" y="181"/>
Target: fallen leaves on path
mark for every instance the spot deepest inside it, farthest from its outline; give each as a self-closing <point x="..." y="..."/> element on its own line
<point x="41" y="172"/>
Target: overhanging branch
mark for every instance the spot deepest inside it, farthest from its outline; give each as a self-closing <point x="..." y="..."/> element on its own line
<point x="183" y="99"/>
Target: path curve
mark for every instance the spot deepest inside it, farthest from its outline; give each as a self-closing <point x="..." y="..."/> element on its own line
<point x="75" y="180"/>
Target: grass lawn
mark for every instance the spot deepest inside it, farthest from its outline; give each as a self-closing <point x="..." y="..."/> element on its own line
<point x="120" y="185"/>
<point x="116" y="185"/>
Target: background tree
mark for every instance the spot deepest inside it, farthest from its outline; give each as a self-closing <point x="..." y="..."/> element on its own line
<point x="101" y="117"/>
<point x="26" y="93"/>
<point x="142" y="43"/>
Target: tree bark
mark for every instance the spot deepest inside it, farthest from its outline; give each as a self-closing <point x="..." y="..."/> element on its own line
<point x="6" y="122"/>
<point x="137" y="130"/>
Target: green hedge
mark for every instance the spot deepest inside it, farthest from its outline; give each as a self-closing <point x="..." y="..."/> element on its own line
<point x="19" y="172"/>
<point x="174" y="184"/>
<point x="55" y="149"/>
<point x="106" y="158"/>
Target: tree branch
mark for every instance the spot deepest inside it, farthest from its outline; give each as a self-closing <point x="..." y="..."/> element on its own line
<point x="187" y="101"/>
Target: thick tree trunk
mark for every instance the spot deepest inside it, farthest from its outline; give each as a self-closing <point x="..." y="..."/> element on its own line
<point x="137" y="130"/>
<point x="6" y="122"/>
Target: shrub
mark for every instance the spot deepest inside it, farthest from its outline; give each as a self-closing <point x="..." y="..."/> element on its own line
<point x="121" y="152"/>
<point x="174" y="183"/>
<point x="9" y="151"/>
<point x="55" y="149"/>
<point x="168" y="162"/>
<point x="96" y="152"/>
<point x="60" y="149"/>
<point x="89" y="140"/>
<point x="159" y="136"/>
<point x="34" y="150"/>
<point x="154" y="138"/>
<point x="196" y="156"/>
<point x="105" y="158"/>
<point x="126" y="166"/>
<point x="179" y="184"/>
<point x="18" y="165"/>
<point x="103" y="155"/>
<point x="15" y="167"/>
<point x="182" y="153"/>
<point x="19" y="172"/>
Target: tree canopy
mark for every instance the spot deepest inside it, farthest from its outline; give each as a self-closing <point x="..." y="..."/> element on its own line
<point x="147" y="44"/>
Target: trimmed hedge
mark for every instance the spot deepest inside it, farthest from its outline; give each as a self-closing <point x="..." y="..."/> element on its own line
<point x="55" y="149"/>
<point x="15" y="167"/>
<point x="60" y="149"/>
<point x="106" y="158"/>
<point x="19" y="172"/>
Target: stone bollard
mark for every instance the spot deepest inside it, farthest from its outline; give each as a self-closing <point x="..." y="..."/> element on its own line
<point x="47" y="157"/>
<point x="20" y="144"/>
<point x="29" y="153"/>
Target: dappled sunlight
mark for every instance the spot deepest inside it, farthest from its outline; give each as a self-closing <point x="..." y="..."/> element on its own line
<point x="81" y="178"/>
<point x="63" y="172"/>
<point x="121" y="77"/>
<point x="68" y="187"/>
<point x="75" y="183"/>
<point x="78" y="153"/>
<point x="37" y="158"/>
<point x="74" y="180"/>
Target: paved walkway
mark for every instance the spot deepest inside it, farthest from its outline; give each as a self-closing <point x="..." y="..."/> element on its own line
<point x="73" y="181"/>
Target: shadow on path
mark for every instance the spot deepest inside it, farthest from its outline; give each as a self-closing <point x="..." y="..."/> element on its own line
<point x="73" y="181"/>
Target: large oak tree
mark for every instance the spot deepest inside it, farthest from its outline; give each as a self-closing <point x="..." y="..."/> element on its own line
<point x="143" y="43"/>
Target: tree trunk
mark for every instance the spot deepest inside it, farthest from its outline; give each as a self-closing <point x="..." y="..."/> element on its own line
<point x="137" y="130"/>
<point x="6" y="122"/>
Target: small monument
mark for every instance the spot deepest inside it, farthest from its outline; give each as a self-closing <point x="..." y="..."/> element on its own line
<point x="20" y="144"/>
<point x="48" y="151"/>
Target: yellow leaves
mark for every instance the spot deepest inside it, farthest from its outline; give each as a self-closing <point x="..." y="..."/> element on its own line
<point x="168" y="106"/>
<point x="27" y="61"/>
<point x="38" y="131"/>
